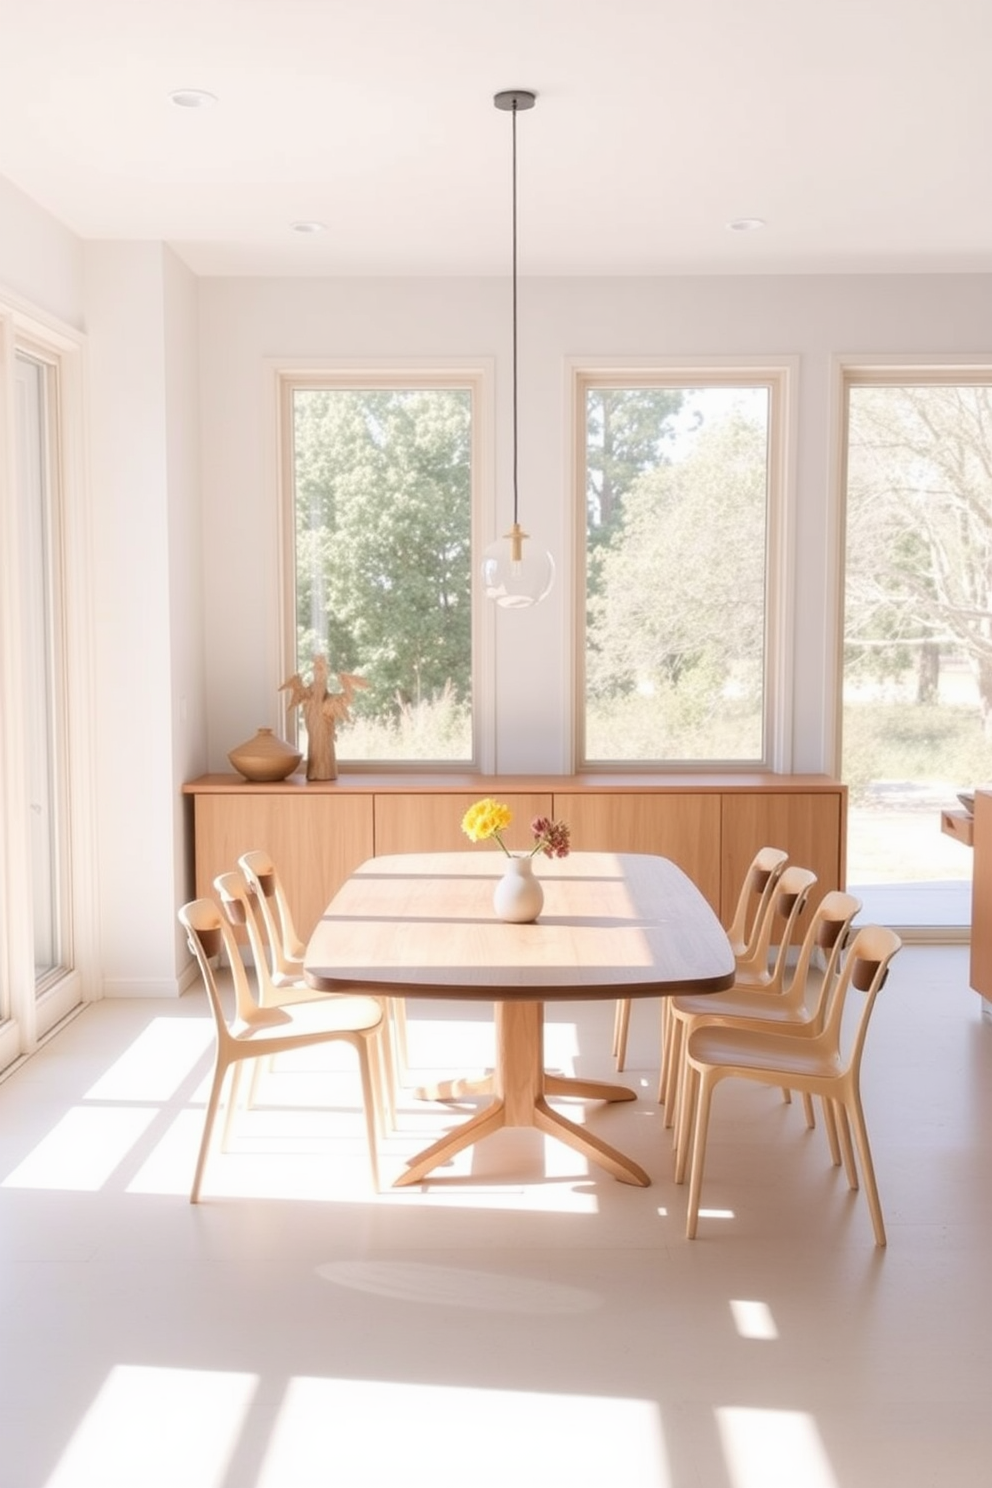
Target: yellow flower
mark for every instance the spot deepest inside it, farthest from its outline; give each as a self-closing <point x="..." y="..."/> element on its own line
<point x="486" y="819"/>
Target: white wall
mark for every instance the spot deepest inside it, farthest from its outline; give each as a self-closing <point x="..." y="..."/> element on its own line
<point x="187" y="698"/>
<point x="243" y="322"/>
<point x="182" y="440"/>
<point x="141" y="319"/>
<point x="40" y="260"/>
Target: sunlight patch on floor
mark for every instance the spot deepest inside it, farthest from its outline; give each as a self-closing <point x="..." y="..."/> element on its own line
<point x="159" y="1428"/>
<point x="773" y="1449"/>
<point x="753" y="1320"/>
<point x="83" y="1150"/>
<point x="585" y="1440"/>
<point x="157" y="1063"/>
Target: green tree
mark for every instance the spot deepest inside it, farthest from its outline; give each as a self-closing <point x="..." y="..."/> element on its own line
<point x="626" y="432"/>
<point x="679" y="611"/>
<point x="919" y="530"/>
<point x="383" y="523"/>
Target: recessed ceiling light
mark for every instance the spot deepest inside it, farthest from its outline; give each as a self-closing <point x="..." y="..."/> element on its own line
<point x="746" y="224"/>
<point x="192" y="98"/>
<point x="308" y="227"/>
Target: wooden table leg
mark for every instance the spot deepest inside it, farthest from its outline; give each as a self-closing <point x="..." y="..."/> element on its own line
<point x="458" y="1089"/>
<point x="519" y="1085"/>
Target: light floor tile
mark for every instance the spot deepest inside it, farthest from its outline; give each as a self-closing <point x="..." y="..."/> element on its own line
<point x="520" y="1317"/>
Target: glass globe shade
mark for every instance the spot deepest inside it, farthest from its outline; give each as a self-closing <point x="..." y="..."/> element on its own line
<point x="515" y="573"/>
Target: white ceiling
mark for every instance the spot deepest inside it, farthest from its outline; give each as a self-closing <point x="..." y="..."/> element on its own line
<point x="858" y="129"/>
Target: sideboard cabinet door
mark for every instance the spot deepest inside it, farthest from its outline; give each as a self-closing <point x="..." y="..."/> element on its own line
<point x="681" y="825"/>
<point x="315" y="841"/>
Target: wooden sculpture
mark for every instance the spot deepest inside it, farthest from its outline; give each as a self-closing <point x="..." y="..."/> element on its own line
<point x="322" y="712"/>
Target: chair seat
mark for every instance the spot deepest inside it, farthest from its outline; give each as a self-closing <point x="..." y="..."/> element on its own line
<point x="349" y="1013"/>
<point x="742" y="1005"/>
<point x="737" y="1050"/>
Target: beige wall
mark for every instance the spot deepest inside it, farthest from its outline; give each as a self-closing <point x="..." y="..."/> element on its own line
<point x="812" y="319"/>
<point x="182" y="440"/>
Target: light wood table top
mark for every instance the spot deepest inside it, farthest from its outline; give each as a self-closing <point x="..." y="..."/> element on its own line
<point x="613" y="924"/>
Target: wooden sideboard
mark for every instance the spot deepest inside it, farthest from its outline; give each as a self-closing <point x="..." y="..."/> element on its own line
<point x="981" y="896"/>
<point x="710" y="825"/>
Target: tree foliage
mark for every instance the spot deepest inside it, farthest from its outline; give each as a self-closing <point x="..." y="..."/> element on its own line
<point x="678" y="608"/>
<point x="626" y="432"/>
<point x="383" y="525"/>
<point x="919" y="538"/>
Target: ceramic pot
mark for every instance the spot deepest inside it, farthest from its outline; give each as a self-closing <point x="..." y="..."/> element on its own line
<point x="265" y="757"/>
<point x="518" y="897"/>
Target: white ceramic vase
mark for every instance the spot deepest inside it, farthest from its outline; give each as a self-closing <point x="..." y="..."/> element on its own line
<point x="518" y="897"/>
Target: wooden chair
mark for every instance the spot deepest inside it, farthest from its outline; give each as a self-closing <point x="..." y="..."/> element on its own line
<point x="752" y="911"/>
<point x="240" y="907"/>
<point x="759" y="972"/>
<point x="800" y="1009"/>
<point x="256" y="1032"/>
<point x="826" y="1064"/>
<point x="767" y="867"/>
<point x="286" y="950"/>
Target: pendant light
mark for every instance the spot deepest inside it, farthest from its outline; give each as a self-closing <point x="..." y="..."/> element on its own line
<point x="516" y="576"/>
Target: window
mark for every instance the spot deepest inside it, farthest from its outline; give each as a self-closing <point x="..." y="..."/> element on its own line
<point x="381" y="474"/>
<point x="680" y="624"/>
<point x="40" y="977"/>
<point x="917" y="676"/>
<point x="41" y="588"/>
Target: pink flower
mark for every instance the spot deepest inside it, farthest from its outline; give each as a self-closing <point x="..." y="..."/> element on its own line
<point x="550" y="837"/>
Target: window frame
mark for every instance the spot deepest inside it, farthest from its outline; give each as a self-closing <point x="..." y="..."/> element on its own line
<point x="32" y="1007"/>
<point x="780" y="376"/>
<point x="847" y="370"/>
<point x="476" y="376"/>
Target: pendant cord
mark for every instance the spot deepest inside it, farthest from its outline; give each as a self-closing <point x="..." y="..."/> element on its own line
<point x="514" y="223"/>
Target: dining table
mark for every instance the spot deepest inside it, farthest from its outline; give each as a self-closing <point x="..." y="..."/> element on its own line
<point x="422" y="925"/>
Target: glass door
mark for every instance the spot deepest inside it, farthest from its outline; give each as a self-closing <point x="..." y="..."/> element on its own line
<point x="917" y="679"/>
<point x="40" y="629"/>
<point x="38" y="985"/>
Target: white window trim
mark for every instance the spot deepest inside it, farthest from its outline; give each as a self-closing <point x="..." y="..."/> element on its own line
<point x="780" y="373"/>
<point x="23" y="328"/>
<point x="864" y="368"/>
<point x="476" y="374"/>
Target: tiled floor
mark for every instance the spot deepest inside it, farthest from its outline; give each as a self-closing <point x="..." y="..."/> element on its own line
<point x="520" y="1321"/>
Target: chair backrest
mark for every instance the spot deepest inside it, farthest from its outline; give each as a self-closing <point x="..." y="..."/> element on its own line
<point x="756" y="892"/>
<point x="243" y="911"/>
<point x="285" y="946"/>
<point x="827" y="933"/>
<point x="866" y="967"/>
<point x="210" y="938"/>
<point x="785" y="906"/>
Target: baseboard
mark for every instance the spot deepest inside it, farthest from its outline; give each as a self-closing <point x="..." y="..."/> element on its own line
<point x="159" y="987"/>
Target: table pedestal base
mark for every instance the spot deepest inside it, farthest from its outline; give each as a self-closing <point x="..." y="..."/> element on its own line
<point x="519" y="1086"/>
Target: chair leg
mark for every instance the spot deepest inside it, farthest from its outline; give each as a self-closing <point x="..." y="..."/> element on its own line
<point x="234" y="1100"/>
<point x="666" y="1048"/>
<point x="808" y="1111"/>
<point x="867" y="1168"/>
<point x="386" y="1081"/>
<point x="687" y="1111"/>
<point x="397" y="1010"/>
<point x="698" y="1155"/>
<point x="369" y="1102"/>
<point x="830" y="1124"/>
<point x="621" y="1027"/>
<point x="678" y="1035"/>
<point x="847" y="1151"/>
<point x="220" y="1070"/>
